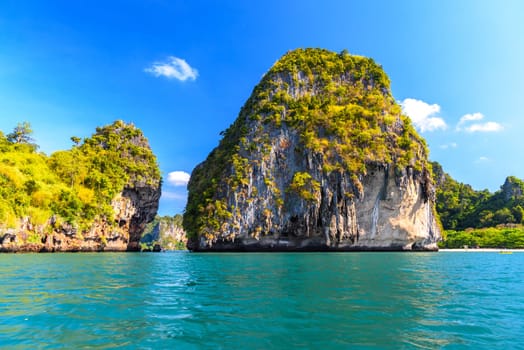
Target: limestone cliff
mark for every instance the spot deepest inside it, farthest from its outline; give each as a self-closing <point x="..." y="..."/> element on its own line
<point x="98" y="196"/>
<point x="319" y="158"/>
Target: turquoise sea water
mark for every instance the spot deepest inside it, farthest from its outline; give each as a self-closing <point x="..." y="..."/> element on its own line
<point x="261" y="301"/>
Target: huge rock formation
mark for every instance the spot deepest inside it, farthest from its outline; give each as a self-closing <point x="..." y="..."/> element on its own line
<point x="98" y="196"/>
<point x="319" y="158"/>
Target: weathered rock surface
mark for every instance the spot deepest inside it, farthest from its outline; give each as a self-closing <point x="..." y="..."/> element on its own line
<point x="320" y="158"/>
<point x="134" y="208"/>
<point x="172" y="234"/>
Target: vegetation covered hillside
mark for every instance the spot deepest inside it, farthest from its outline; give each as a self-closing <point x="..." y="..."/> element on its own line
<point x="40" y="193"/>
<point x="480" y="218"/>
<point x="461" y="207"/>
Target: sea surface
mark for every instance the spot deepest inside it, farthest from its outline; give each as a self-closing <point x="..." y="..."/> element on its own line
<point x="180" y="300"/>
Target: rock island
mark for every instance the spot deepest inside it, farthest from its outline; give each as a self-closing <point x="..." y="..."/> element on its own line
<point x="97" y="196"/>
<point x="320" y="158"/>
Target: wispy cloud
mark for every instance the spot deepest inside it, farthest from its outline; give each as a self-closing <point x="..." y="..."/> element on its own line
<point x="423" y="114"/>
<point x="174" y="195"/>
<point x="449" y="145"/>
<point x="482" y="159"/>
<point x="477" y="127"/>
<point x="178" y="178"/>
<point x="470" y="117"/>
<point x="173" y="68"/>
<point x="485" y="127"/>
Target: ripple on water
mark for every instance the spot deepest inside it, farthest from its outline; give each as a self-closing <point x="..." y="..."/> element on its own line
<point x="261" y="301"/>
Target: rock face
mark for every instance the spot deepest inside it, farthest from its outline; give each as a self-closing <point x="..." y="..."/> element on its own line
<point x="136" y="181"/>
<point x="320" y="158"/>
<point x="134" y="208"/>
<point x="171" y="235"/>
<point x="512" y="188"/>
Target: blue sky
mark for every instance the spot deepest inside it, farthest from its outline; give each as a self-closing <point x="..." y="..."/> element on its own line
<point x="181" y="70"/>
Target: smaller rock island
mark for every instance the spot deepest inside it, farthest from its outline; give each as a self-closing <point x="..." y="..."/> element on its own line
<point x="320" y="158"/>
<point x="97" y="196"/>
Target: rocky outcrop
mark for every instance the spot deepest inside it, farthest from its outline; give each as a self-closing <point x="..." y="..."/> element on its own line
<point x="512" y="188"/>
<point x="171" y="235"/>
<point x="320" y="158"/>
<point x="141" y="206"/>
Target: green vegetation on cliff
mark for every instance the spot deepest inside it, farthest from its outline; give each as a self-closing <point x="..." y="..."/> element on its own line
<point x="74" y="186"/>
<point x="341" y="107"/>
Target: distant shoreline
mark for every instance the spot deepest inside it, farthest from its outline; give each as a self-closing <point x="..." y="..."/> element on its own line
<point x="482" y="250"/>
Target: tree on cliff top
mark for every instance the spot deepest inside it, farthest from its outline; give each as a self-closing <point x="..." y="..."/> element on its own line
<point x="21" y="133"/>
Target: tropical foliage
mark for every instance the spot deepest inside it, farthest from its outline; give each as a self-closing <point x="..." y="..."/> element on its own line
<point x="511" y="237"/>
<point x="480" y="218"/>
<point x="461" y="207"/>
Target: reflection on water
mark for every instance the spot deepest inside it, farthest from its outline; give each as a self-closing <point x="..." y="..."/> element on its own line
<point x="260" y="301"/>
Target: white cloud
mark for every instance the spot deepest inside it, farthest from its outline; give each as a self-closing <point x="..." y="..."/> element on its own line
<point x="173" y="68"/>
<point x="470" y="117"/>
<point x="178" y="178"/>
<point x="423" y="114"/>
<point x="477" y="127"/>
<point x="483" y="159"/>
<point x="449" y="145"/>
<point x="486" y="127"/>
